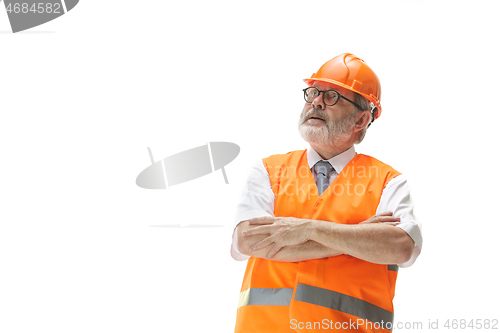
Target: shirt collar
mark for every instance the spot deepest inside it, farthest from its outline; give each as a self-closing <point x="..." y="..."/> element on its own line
<point x="338" y="162"/>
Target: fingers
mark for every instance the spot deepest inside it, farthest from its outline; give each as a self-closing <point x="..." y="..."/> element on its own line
<point x="262" y="220"/>
<point x="384" y="214"/>
<point x="263" y="243"/>
<point x="386" y="217"/>
<point x="265" y="229"/>
<point x="391" y="223"/>
<point x="382" y="219"/>
<point x="386" y="220"/>
<point x="274" y="250"/>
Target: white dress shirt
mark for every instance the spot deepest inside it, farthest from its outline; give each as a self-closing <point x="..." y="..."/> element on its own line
<point x="257" y="199"/>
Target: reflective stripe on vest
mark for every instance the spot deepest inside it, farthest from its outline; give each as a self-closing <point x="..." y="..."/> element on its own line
<point x="343" y="303"/>
<point x="265" y="296"/>
<point x="394" y="268"/>
<point x="278" y="296"/>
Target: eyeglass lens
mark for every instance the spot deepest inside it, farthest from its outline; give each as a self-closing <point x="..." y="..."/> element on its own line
<point x="330" y="97"/>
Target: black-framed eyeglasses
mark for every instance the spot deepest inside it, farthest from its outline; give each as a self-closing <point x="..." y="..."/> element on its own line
<point x="330" y="97"/>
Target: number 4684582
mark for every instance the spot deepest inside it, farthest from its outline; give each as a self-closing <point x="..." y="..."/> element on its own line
<point x="36" y="8"/>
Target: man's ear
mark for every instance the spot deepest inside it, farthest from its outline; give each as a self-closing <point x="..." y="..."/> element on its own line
<point x="362" y="120"/>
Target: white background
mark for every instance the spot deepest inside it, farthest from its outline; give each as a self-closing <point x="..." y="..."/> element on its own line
<point x="82" y="248"/>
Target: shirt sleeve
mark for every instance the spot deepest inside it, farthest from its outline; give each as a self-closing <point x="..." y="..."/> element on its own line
<point x="396" y="198"/>
<point x="256" y="200"/>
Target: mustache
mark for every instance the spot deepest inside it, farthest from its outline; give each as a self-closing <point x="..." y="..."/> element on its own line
<point x="314" y="112"/>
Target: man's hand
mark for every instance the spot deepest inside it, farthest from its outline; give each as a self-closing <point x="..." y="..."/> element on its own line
<point x="289" y="231"/>
<point x="376" y="240"/>
<point x="283" y="231"/>
<point x="385" y="218"/>
<point x="291" y="239"/>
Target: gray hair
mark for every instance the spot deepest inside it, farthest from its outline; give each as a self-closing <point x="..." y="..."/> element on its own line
<point x="365" y="106"/>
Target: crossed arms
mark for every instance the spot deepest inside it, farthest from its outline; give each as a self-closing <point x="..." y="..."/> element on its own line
<point x="291" y="239"/>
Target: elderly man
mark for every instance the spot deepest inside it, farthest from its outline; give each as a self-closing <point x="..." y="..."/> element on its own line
<point x="325" y="229"/>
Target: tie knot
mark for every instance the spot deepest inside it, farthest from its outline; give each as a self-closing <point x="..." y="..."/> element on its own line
<point x="323" y="167"/>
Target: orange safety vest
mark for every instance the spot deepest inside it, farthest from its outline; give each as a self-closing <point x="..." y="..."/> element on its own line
<point x="336" y="293"/>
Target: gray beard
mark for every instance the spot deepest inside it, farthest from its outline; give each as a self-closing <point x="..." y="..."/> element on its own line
<point x="329" y="134"/>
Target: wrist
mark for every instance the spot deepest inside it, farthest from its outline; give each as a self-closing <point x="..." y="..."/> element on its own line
<point x="322" y="230"/>
<point x="311" y="230"/>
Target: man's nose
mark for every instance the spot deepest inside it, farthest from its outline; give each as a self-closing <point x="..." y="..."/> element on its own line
<point x="318" y="102"/>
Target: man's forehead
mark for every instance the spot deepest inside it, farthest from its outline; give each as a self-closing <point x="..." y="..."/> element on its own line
<point x="321" y="84"/>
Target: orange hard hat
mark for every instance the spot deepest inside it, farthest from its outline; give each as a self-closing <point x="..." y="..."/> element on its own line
<point x="350" y="72"/>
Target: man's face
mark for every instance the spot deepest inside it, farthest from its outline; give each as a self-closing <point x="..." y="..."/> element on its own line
<point x="327" y="125"/>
